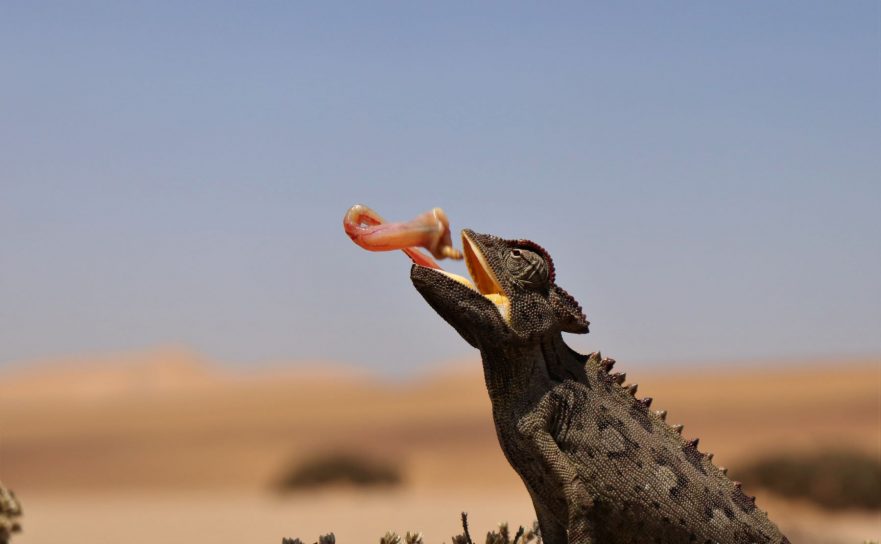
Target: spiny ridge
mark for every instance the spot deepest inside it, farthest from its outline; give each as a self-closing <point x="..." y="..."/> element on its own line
<point x="606" y="364"/>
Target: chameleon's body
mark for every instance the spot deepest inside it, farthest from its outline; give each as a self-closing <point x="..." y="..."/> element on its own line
<point x="601" y="467"/>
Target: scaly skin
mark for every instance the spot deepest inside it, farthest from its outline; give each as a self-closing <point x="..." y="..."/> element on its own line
<point x="600" y="467"/>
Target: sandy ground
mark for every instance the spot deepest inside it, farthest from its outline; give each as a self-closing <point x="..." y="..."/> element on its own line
<point x="162" y="447"/>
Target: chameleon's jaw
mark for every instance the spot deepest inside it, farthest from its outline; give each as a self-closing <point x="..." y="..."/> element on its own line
<point x="484" y="279"/>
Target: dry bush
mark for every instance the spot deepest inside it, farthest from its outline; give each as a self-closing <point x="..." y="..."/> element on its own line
<point x="338" y="468"/>
<point x="501" y="536"/>
<point x="831" y="479"/>
<point x="10" y="511"/>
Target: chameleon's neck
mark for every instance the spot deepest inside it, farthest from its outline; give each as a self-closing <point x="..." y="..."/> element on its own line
<point x="511" y="371"/>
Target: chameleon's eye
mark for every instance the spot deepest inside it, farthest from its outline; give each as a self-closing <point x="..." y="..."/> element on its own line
<point x="527" y="268"/>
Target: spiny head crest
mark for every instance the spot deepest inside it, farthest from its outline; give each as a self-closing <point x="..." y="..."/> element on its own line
<point x="570" y="314"/>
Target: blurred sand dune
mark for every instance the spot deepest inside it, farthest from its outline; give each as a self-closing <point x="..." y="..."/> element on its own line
<point x="167" y="427"/>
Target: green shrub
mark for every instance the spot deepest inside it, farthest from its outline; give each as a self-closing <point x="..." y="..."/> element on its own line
<point x="832" y="479"/>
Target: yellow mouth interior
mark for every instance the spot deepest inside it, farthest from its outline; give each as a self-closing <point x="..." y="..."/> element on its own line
<point x="485" y="281"/>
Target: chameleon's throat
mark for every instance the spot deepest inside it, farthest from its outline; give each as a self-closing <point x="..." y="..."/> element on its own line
<point x="511" y="372"/>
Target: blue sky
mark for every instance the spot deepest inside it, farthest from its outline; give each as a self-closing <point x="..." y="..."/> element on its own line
<point x="706" y="175"/>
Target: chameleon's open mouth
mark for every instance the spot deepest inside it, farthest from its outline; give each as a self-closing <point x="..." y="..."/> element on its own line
<point x="484" y="279"/>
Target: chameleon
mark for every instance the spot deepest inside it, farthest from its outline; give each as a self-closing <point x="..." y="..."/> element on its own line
<point x="600" y="466"/>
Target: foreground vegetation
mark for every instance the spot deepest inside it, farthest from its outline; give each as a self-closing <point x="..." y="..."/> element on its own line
<point x="10" y="511"/>
<point x="501" y="536"/>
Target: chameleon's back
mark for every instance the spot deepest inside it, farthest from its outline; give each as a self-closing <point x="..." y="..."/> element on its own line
<point x="649" y="484"/>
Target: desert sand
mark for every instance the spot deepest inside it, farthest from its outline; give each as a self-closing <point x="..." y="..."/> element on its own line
<point x="166" y="447"/>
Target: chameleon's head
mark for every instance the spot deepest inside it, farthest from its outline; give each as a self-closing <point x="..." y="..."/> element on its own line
<point x="512" y="299"/>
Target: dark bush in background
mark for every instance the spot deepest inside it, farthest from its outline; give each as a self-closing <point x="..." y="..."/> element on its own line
<point x="832" y="479"/>
<point x="338" y="468"/>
